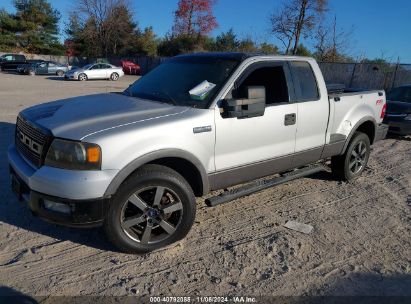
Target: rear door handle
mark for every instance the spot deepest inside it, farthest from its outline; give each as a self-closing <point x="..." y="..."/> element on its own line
<point x="290" y="119"/>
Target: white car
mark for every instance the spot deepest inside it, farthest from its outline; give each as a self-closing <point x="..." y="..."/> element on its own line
<point x="95" y="71"/>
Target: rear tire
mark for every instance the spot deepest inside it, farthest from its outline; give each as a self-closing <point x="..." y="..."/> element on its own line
<point x="153" y="208"/>
<point x="352" y="163"/>
<point x="59" y="73"/>
<point x="82" y="77"/>
<point x="114" y="76"/>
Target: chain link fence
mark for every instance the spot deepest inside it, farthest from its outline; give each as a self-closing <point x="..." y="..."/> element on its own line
<point x="371" y="76"/>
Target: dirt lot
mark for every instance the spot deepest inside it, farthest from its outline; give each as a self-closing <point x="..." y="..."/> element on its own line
<point x="360" y="244"/>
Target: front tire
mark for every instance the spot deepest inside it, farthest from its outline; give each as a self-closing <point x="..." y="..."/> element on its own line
<point x="82" y="77"/>
<point x="114" y="76"/>
<point x="352" y="163"/>
<point x="153" y="208"/>
<point x="59" y="73"/>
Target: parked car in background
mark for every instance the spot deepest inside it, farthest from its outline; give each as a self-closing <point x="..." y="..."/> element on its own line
<point x="48" y="68"/>
<point x="9" y="62"/>
<point x="24" y="67"/>
<point x="130" y="68"/>
<point x="398" y="115"/>
<point x="95" y="71"/>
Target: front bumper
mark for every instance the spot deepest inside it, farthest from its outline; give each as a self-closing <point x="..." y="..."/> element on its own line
<point x="70" y="77"/>
<point x="82" y="191"/>
<point x="81" y="213"/>
<point x="398" y="126"/>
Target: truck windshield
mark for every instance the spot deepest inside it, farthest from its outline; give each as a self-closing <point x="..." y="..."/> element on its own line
<point x="185" y="81"/>
<point x="400" y="94"/>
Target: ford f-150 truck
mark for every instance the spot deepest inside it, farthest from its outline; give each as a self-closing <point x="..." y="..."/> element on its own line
<point x="134" y="162"/>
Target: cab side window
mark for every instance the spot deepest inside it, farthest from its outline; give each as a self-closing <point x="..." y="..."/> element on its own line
<point x="305" y="83"/>
<point x="272" y="78"/>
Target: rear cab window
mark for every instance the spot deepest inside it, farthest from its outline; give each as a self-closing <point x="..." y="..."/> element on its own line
<point x="305" y="82"/>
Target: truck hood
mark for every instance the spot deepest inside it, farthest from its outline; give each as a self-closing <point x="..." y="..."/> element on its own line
<point x="75" y="118"/>
<point x="397" y="107"/>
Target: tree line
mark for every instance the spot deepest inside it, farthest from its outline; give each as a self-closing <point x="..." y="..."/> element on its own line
<point x="106" y="28"/>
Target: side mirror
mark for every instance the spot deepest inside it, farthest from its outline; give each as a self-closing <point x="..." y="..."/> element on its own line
<point x="252" y="106"/>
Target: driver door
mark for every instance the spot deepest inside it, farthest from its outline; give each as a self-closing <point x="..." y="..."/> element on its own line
<point x="250" y="148"/>
<point x="95" y="72"/>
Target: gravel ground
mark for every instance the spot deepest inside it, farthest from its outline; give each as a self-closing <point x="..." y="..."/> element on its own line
<point x="360" y="244"/>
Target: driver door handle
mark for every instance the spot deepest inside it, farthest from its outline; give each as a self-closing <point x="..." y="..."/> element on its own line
<point x="290" y="119"/>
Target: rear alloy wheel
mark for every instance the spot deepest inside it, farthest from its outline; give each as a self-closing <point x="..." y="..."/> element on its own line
<point x="153" y="208"/>
<point x="60" y="73"/>
<point x="114" y="77"/>
<point x="82" y="77"/>
<point x="352" y="163"/>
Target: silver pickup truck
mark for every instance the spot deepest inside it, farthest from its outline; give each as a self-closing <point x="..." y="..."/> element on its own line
<point x="134" y="162"/>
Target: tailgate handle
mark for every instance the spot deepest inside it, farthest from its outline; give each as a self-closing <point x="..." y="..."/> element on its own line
<point x="337" y="99"/>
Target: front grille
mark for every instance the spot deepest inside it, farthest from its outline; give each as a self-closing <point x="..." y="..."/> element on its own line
<point x="31" y="142"/>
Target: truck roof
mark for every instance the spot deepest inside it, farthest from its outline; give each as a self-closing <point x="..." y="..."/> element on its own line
<point x="242" y="56"/>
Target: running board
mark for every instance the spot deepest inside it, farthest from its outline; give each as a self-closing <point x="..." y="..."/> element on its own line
<point x="257" y="186"/>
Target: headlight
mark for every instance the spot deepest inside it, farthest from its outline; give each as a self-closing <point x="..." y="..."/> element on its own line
<point x="73" y="155"/>
<point x="408" y="117"/>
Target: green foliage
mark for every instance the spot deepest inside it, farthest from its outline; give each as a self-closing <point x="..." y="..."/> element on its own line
<point x="146" y="42"/>
<point x="175" y="45"/>
<point x="226" y="42"/>
<point x="247" y="45"/>
<point x="115" y="34"/>
<point x="8" y="29"/>
<point x="303" y="51"/>
<point x="267" y="48"/>
<point x="33" y="28"/>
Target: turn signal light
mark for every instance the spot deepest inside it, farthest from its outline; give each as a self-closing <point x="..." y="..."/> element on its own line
<point x="93" y="154"/>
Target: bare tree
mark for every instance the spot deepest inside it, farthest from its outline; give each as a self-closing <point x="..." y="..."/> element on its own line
<point x="296" y="19"/>
<point x="106" y="21"/>
<point x="332" y="44"/>
<point x="283" y="27"/>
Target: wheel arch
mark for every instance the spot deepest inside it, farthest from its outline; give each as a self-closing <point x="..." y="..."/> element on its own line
<point x="181" y="161"/>
<point x="366" y="125"/>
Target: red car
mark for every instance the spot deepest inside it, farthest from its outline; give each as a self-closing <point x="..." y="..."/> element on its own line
<point x="130" y="68"/>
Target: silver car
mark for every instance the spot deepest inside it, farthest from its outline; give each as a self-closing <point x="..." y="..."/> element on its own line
<point x="95" y="71"/>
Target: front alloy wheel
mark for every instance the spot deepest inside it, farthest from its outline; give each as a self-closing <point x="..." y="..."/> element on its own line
<point x="151" y="215"/>
<point x="82" y="77"/>
<point x="153" y="208"/>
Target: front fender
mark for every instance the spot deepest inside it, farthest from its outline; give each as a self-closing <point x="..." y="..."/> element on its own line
<point x="152" y="156"/>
